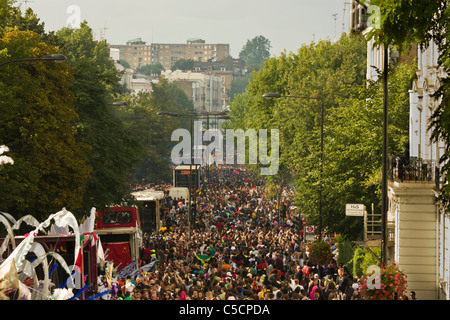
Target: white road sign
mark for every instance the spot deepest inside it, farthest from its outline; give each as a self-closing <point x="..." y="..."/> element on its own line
<point x="356" y="210"/>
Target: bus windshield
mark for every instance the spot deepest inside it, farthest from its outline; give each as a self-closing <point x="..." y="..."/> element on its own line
<point x="117" y="217"/>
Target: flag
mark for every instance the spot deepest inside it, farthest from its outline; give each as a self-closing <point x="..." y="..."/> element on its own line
<point x="203" y="257"/>
<point x="79" y="257"/>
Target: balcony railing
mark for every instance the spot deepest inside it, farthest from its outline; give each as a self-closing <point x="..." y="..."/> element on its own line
<point x="413" y="170"/>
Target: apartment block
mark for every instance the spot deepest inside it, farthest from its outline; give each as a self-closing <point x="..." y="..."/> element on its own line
<point x="138" y="53"/>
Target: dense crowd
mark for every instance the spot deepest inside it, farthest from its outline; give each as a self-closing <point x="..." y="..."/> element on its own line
<point x="241" y="244"/>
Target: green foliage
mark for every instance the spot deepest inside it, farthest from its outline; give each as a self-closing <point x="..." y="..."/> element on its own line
<point x="153" y="132"/>
<point x="238" y="85"/>
<point x="370" y="259"/>
<point x="37" y="124"/>
<point x="70" y="145"/>
<point x="345" y="249"/>
<point x="332" y="74"/>
<point x="255" y="52"/>
<point x="114" y="150"/>
<point x="183" y="65"/>
<point x="150" y="69"/>
<point x="356" y="262"/>
<point x="124" y="63"/>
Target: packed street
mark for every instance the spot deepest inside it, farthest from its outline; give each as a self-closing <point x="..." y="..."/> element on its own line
<point x="172" y="151"/>
<point x="239" y="247"/>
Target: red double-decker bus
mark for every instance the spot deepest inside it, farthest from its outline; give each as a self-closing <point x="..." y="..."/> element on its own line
<point x="119" y="229"/>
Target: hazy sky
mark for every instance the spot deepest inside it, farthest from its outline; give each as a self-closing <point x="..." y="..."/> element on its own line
<point x="286" y="23"/>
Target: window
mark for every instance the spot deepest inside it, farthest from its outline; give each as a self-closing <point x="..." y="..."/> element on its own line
<point x="117" y="217"/>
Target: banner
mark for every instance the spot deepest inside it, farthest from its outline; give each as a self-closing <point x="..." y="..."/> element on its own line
<point x="119" y="252"/>
<point x="145" y="268"/>
<point x="127" y="270"/>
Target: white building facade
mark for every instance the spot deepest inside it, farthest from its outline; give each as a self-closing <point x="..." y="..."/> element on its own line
<point x="417" y="226"/>
<point x="422" y="106"/>
<point x="207" y="91"/>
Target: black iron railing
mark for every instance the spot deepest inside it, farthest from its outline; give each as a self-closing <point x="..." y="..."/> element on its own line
<point x="413" y="170"/>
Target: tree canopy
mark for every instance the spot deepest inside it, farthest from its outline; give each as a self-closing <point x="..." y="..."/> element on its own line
<point x="183" y="65"/>
<point x="332" y="74"/>
<point x="153" y="132"/>
<point x="150" y="69"/>
<point x="255" y="51"/>
<point x="71" y="146"/>
<point x="38" y="125"/>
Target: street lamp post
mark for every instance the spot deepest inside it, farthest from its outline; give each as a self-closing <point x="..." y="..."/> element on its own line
<point x="49" y="57"/>
<point x="271" y="95"/>
<point x="384" y="187"/>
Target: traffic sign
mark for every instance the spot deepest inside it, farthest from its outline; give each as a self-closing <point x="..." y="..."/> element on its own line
<point x="304" y="222"/>
<point x="356" y="210"/>
<point x="309" y="233"/>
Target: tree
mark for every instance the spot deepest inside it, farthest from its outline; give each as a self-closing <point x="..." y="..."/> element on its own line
<point x="150" y="69"/>
<point x="238" y="85"/>
<point x="114" y="149"/>
<point x="183" y="65"/>
<point x="38" y="116"/>
<point x="124" y="63"/>
<point x="334" y="74"/>
<point x="153" y="132"/>
<point x="255" y="51"/>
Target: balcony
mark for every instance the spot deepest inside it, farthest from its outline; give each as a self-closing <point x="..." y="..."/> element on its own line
<point x="413" y="169"/>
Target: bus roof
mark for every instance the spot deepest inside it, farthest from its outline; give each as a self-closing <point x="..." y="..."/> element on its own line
<point x="187" y="167"/>
<point x="148" y="195"/>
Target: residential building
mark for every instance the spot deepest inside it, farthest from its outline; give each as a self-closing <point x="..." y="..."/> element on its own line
<point x="134" y="82"/>
<point x="138" y="53"/>
<point x="227" y="69"/>
<point x="205" y="90"/>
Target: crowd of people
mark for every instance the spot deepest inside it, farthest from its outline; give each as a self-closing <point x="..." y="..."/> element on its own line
<point x="240" y="244"/>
